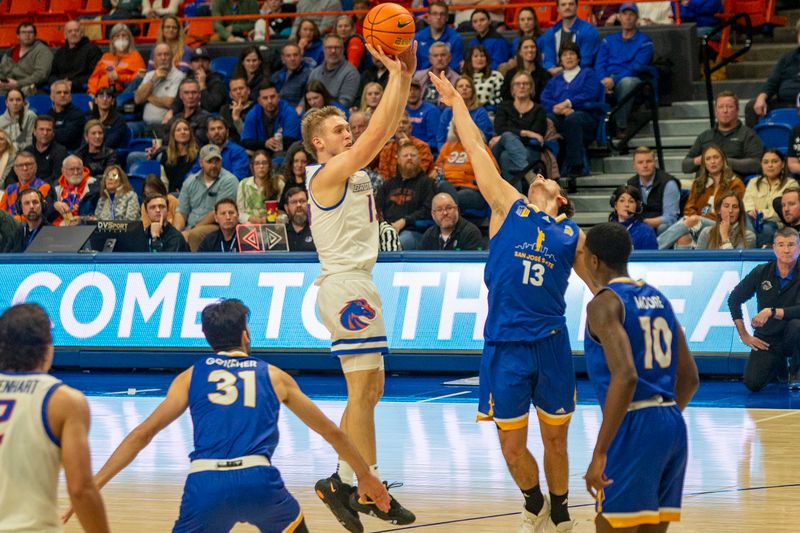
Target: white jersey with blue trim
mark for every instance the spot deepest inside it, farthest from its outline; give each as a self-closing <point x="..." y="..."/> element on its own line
<point x="30" y="455"/>
<point x="346" y="233"/>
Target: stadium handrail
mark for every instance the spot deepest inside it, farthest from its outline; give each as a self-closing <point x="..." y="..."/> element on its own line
<point x="650" y="91"/>
<point x="259" y="16"/>
<point x="723" y="29"/>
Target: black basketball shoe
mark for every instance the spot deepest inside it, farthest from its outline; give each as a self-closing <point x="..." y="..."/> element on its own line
<point x="397" y="514"/>
<point x="336" y="495"/>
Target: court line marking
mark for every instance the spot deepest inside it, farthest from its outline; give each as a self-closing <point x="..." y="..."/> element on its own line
<point x="134" y="391"/>
<point x="445" y="396"/>
<point x="776" y="416"/>
<point x="502" y="515"/>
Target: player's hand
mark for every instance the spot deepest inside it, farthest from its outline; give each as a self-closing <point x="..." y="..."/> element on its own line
<point x="67" y="515"/>
<point x="755" y="343"/>
<point x="761" y="318"/>
<point x="373" y="490"/>
<point x="393" y="65"/>
<point x="408" y="58"/>
<point x="447" y="93"/>
<point x="595" y="477"/>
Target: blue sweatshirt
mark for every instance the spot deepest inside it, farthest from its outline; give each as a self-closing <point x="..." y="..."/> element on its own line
<point x="314" y="54"/>
<point x="701" y="12"/>
<point x="254" y="130"/>
<point x="643" y="236"/>
<point x="583" y="91"/>
<point x="619" y="58"/>
<point x="424" y="122"/>
<point x="586" y="37"/>
<point x="449" y="36"/>
<point x="234" y="159"/>
<point x="496" y="45"/>
<point x="479" y="116"/>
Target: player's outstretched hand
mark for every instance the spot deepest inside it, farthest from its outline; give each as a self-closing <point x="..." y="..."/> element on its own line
<point x="67" y="515"/>
<point x="373" y="490"/>
<point x="393" y="65"/>
<point x="595" y="477"/>
<point x="409" y="59"/>
<point x="447" y="93"/>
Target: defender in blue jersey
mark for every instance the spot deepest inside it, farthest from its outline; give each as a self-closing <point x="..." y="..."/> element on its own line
<point x="234" y="401"/>
<point x="533" y="249"/>
<point x="640" y="366"/>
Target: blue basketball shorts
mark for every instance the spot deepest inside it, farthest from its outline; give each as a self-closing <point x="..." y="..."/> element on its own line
<point x="647" y="463"/>
<point x="214" y="501"/>
<point x="514" y="374"/>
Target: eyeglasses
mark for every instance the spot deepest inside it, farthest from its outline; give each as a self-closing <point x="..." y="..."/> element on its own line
<point x="446" y="209"/>
<point x="23" y="165"/>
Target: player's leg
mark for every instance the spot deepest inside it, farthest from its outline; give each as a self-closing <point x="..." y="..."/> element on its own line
<point x="364" y="390"/>
<point x="506" y="375"/>
<point x="265" y="502"/>
<point x="554" y="398"/>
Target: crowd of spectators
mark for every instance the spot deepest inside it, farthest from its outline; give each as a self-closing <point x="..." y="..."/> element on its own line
<point x="226" y="143"/>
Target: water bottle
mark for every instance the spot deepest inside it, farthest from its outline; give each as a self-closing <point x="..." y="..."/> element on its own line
<point x="279" y="139"/>
<point x="440" y="175"/>
<point x="758" y="225"/>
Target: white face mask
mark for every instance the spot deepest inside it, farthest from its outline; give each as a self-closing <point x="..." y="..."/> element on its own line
<point x="121" y="44"/>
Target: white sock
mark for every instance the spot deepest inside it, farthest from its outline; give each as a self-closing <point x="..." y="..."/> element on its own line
<point x="345" y="472"/>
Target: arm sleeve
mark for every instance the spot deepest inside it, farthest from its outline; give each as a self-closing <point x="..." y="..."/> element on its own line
<point x="547" y="44"/>
<point x="219" y="25"/>
<point x="774" y="81"/>
<point x="214" y="96"/>
<point x="484" y="123"/>
<point x="43" y="61"/>
<point x="688" y="166"/>
<point x="132" y="211"/>
<point x="751" y="162"/>
<point x="743" y="292"/>
<point x="501" y="122"/>
<point x="671" y="204"/>
<point x="423" y="212"/>
<point x="601" y="62"/>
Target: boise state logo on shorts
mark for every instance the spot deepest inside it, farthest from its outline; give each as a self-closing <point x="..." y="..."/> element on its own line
<point x="354" y="313"/>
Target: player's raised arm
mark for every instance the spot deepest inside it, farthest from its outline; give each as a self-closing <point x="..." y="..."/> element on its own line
<point x="497" y="191"/>
<point x="579" y="265"/>
<point x="383" y="123"/>
<point x="604" y="316"/>
<point x="69" y="412"/>
<point x="686" y="378"/>
<point x="172" y="407"/>
<point x="292" y="397"/>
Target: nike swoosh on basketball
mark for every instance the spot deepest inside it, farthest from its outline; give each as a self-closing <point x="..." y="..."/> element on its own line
<point x="333" y="489"/>
<point x="403" y="24"/>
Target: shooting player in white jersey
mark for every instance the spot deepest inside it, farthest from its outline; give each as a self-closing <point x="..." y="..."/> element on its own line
<point x="43" y="425"/>
<point x="344" y="223"/>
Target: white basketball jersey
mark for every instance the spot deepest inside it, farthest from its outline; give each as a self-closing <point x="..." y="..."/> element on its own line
<point x="346" y="234"/>
<point x="30" y="456"/>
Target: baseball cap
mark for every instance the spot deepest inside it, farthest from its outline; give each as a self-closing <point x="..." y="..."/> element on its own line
<point x="200" y="53"/>
<point x="629" y="6"/>
<point x="209" y="152"/>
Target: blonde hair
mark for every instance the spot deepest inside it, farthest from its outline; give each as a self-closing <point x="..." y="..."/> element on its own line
<point x="177" y="45"/>
<point x="312" y="123"/>
<point x="91" y="124"/>
<point x="172" y="146"/>
<point x="726" y="178"/>
<point x="11" y="150"/>
<point x="367" y="87"/>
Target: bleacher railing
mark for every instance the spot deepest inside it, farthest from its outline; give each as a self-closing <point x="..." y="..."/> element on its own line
<point x="722" y="60"/>
<point x="649" y="90"/>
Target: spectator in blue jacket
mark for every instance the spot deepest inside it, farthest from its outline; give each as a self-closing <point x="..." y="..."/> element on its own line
<point x="621" y="60"/>
<point x="309" y="39"/>
<point x="701" y="12"/>
<point x="495" y="44"/>
<point x="424" y="116"/>
<point x="292" y="78"/>
<point x="234" y="158"/>
<point x="626" y="202"/>
<point x="272" y="124"/>
<point x="439" y="31"/>
<point x="569" y="29"/>
<point x="570" y="99"/>
<point x="466" y="88"/>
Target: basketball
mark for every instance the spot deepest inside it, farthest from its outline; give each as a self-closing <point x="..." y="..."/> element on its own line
<point x="389" y="26"/>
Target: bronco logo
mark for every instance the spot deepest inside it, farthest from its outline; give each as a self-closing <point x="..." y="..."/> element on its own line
<point x="353" y="314"/>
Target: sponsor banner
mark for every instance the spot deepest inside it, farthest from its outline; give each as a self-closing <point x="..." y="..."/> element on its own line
<point x="428" y="306"/>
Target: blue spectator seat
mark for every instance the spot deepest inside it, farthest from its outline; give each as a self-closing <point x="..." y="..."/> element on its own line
<point x="2" y="104"/>
<point x="143" y="168"/>
<point x="774" y="134"/>
<point x="82" y="101"/>
<point x="39" y="103"/>
<point x="786" y="115"/>
<point x="224" y="65"/>
<point x="137" y="184"/>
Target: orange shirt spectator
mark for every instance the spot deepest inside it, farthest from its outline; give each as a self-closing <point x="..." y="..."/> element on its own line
<point x="387" y="166"/>
<point x="119" y="65"/>
<point x="456" y="166"/>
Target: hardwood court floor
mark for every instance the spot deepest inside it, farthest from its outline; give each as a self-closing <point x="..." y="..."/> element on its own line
<point x="743" y="472"/>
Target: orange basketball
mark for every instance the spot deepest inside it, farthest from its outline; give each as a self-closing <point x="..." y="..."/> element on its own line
<point x="389" y="26"/>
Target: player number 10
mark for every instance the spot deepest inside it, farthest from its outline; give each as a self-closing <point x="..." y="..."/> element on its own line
<point x="534" y="273"/>
<point x="227" y="393"/>
<point x="657" y="341"/>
